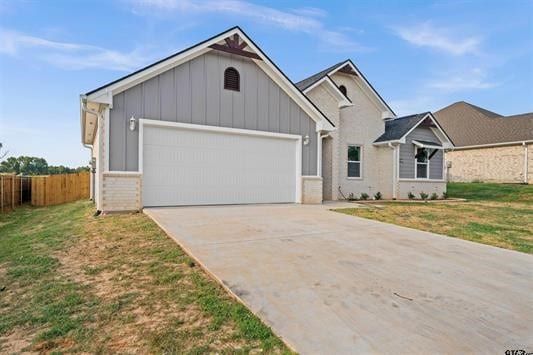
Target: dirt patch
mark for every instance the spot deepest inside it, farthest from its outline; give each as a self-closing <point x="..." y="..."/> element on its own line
<point x="16" y="342"/>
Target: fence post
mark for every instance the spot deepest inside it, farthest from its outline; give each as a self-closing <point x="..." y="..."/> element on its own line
<point x="13" y="192"/>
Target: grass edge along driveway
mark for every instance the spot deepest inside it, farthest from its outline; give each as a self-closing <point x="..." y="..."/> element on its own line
<point x="500" y="215"/>
<point x="71" y="282"/>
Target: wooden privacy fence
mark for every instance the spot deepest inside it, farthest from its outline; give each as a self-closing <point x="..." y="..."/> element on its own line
<point x="55" y="189"/>
<point x="11" y="191"/>
<point x="42" y="190"/>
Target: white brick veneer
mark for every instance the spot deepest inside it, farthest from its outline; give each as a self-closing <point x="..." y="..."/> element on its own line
<point x="311" y="189"/>
<point x="121" y="191"/>
<point x="416" y="187"/>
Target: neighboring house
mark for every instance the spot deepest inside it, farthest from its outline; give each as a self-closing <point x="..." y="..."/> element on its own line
<point x="219" y="123"/>
<point x="488" y="146"/>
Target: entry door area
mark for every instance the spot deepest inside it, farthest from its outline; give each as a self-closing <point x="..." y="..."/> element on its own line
<point x="186" y="164"/>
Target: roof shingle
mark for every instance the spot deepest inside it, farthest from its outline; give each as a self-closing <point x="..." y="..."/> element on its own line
<point x="397" y="128"/>
<point x="468" y="125"/>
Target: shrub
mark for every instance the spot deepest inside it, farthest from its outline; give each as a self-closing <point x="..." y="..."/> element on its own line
<point x="423" y="195"/>
<point x="444" y="195"/>
<point x="434" y="196"/>
<point x="378" y="196"/>
<point x="411" y="196"/>
<point x="351" y="197"/>
<point x="364" y="196"/>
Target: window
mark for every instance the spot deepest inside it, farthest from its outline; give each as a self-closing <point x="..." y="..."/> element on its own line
<point x="422" y="163"/>
<point x="354" y="161"/>
<point x="342" y="88"/>
<point x="232" y="80"/>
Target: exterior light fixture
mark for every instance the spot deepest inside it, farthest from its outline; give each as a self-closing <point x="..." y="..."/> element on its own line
<point x="306" y="140"/>
<point x="133" y="123"/>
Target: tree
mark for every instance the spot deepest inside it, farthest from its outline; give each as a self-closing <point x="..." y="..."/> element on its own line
<point x="24" y="165"/>
<point x="2" y="155"/>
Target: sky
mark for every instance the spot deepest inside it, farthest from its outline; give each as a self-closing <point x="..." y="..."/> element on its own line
<point x="419" y="55"/>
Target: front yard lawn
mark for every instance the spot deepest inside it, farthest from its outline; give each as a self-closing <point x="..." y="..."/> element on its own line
<point x="496" y="214"/>
<point x="71" y="282"/>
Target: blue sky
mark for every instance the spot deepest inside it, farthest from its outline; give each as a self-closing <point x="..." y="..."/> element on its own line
<point x="419" y="55"/>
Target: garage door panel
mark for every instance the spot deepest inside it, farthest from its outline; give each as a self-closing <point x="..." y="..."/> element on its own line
<point x="196" y="167"/>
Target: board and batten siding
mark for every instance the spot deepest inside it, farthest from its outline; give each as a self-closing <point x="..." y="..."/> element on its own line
<point x="407" y="155"/>
<point x="193" y="93"/>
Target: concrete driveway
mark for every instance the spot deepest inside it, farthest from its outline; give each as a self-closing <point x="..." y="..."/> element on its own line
<point x="332" y="283"/>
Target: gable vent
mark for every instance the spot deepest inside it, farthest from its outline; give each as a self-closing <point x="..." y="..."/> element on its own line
<point x="232" y="79"/>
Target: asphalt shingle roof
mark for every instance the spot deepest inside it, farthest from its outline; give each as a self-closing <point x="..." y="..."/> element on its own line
<point x="398" y="127"/>
<point x="467" y="125"/>
<point x="307" y="82"/>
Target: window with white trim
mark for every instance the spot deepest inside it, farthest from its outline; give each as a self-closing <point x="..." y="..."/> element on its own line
<point x="354" y="161"/>
<point x="421" y="163"/>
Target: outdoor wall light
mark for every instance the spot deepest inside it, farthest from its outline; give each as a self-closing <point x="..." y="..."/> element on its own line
<point x="133" y="122"/>
<point x="306" y="140"/>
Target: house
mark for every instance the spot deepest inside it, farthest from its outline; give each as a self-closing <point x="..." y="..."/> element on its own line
<point x="220" y="123"/>
<point x="488" y="146"/>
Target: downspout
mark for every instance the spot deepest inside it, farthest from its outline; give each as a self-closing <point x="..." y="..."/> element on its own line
<point x="525" y="162"/>
<point x="88" y="146"/>
<point x="394" y="169"/>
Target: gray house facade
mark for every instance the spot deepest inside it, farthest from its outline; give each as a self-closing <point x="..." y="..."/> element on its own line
<point x="219" y="123"/>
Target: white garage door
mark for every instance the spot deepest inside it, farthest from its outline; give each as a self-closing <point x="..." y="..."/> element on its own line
<point x="186" y="164"/>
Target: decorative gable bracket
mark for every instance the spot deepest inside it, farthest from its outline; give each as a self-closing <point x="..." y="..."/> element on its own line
<point x="235" y="45"/>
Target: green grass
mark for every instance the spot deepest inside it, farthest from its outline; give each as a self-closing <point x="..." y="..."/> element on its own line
<point x="495" y="214"/>
<point x="492" y="192"/>
<point x="78" y="283"/>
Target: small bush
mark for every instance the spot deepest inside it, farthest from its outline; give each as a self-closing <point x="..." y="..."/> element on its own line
<point x="434" y="196"/>
<point x="444" y="195"/>
<point x="411" y="196"/>
<point x="364" y="196"/>
<point x="351" y="197"/>
<point x="423" y="195"/>
<point x="378" y="196"/>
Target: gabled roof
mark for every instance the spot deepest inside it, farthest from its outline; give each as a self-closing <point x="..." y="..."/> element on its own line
<point x="397" y="128"/>
<point x="308" y="82"/>
<point x="470" y="125"/>
<point x="104" y="93"/>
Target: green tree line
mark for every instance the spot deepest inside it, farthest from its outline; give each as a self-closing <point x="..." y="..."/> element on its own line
<point x="24" y="165"/>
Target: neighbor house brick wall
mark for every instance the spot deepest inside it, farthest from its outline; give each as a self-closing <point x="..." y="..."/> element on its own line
<point x="121" y="191"/>
<point x="311" y="189"/>
<point x="492" y="164"/>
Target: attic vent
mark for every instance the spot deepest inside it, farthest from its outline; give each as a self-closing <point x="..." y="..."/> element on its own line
<point x="342" y="88"/>
<point x="232" y="79"/>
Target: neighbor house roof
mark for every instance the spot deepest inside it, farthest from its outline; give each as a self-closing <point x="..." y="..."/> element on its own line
<point x="396" y="128"/>
<point x="308" y="82"/>
<point x="470" y="125"/>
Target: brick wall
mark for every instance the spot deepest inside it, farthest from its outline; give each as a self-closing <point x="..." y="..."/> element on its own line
<point x="311" y="189"/>
<point x="416" y="187"/>
<point x="121" y="192"/>
<point x="492" y="164"/>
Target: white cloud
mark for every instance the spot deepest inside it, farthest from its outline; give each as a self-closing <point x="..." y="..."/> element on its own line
<point x="442" y="39"/>
<point x="69" y="55"/>
<point x="305" y="20"/>
<point x="475" y="79"/>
